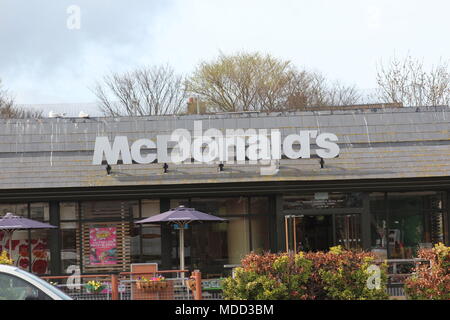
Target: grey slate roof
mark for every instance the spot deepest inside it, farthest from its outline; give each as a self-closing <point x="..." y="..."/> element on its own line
<point x="389" y="143"/>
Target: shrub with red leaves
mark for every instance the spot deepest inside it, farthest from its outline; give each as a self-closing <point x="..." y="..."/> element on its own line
<point x="337" y="274"/>
<point x="431" y="281"/>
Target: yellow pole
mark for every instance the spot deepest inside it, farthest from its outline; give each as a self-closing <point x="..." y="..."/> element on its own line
<point x="295" y="234"/>
<point x="286" y="232"/>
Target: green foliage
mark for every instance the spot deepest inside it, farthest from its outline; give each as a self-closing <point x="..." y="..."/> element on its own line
<point x="349" y="282"/>
<point x="248" y="285"/>
<point x="338" y="274"/>
<point x="431" y="282"/>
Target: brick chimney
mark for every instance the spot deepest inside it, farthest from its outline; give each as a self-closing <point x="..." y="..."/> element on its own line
<point x="196" y="106"/>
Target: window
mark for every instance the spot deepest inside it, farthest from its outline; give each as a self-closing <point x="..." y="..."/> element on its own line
<point x="105" y="235"/>
<point x="221" y="207"/>
<point x="150" y="208"/>
<point x="40" y="211"/>
<point x="403" y="222"/>
<point x="14" y="288"/>
<point x="322" y="200"/>
<point x="146" y="239"/>
<point x="232" y="235"/>
<point x="40" y="252"/>
<point x="69" y="251"/>
<point x="18" y="209"/>
<point x="29" y="248"/>
<point x="259" y="224"/>
<point x="210" y="246"/>
<point x="68" y="211"/>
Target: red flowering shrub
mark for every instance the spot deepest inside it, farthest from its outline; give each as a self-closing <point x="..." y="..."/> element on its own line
<point x="39" y="267"/>
<point x="431" y="282"/>
<point x="337" y="274"/>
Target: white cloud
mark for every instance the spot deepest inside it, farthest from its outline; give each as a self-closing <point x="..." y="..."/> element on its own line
<point x="44" y="62"/>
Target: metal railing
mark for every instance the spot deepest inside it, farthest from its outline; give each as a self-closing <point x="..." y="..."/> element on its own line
<point x="160" y="285"/>
<point x="132" y="285"/>
<point x="398" y="271"/>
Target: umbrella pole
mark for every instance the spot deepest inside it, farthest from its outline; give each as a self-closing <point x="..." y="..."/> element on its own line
<point x="182" y="249"/>
<point x="10" y="234"/>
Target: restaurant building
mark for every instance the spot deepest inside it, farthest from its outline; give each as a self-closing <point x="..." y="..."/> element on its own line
<point x="372" y="178"/>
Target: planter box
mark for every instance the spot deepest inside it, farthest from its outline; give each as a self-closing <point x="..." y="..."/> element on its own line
<point x="151" y="285"/>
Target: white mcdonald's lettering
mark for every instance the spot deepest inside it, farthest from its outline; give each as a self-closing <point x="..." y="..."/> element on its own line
<point x="212" y="145"/>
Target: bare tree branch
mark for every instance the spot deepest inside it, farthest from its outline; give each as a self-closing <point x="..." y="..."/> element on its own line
<point x="406" y="81"/>
<point x="8" y="109"/>
<point x="153" y="90"/>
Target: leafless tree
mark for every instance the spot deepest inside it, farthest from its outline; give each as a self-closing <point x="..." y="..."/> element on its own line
<point x="255" y="82"/>
<point x="320" y="92"/>
<point x="8" y="109"/>
<point x="407" y="81"/>
<point x="155" y="90"/>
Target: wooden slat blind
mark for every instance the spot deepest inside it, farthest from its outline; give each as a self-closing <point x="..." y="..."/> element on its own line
<point x="96" y="215"/>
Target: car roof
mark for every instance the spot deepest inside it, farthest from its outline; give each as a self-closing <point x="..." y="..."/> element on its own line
<point x="5" y="267"/>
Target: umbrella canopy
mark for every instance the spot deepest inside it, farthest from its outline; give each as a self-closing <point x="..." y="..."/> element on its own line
<point x="181" y="216"/>
<point x="10" y="222"/>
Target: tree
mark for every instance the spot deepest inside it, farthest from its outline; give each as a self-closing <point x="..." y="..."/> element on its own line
<point x="407" y="81"/>
<point x="8" y="109"/>
<point x="256" y="82"/>
<point x="155" y="90"/>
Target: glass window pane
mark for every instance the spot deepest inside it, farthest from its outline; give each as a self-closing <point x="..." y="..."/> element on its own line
<point x="150" y="208"/>
<point x="259" y="205"/>
<point x="221" y="206"/>
<point x="19" y="248"/>
<point x="377" y="202"/>
<point x="40" y="253"/>
<point x="18" y="209"/>
<point x="212" y="257"/>
<point x="150" y="238"/>
<point x="406" y="230"/>
<point x="68" y="211"/>
<point x="135" y="209"/>
<point x="348" y="231"/>
<point x="260" y="233"/>
<point x="108" y="210"/>
<point x="238" y="239"/>
<point x="378" y="224"/>
<point x="311" y="232"/>
<point x="378" y="227"/>
<point x="69" y="251"/>
<point x="322" y="200"/>
<point x="436" y="227"/>
<point x="407" y="201"/>
<point x="179" y="202"/>
<point x="40" y="211"/>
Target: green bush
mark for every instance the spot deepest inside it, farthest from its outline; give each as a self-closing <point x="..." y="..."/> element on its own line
<point x="337" y="274"/>
<point x="431" y="282"/>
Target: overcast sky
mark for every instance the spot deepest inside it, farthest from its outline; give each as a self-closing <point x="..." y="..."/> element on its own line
<point x="42" y="61"/>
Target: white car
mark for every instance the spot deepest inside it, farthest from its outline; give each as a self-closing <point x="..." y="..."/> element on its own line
<point x="17" y="284"/>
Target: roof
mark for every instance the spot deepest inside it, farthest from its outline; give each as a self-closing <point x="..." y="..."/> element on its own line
<point x="375" y="144"/>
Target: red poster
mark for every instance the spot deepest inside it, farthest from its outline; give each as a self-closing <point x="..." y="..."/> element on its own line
<point x="103" y="246"/>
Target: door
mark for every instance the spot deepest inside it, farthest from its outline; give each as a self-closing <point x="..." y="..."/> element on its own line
<point x="348" y="231"/>
<point x="319" y="232"/>
<point x="314" y="233"/>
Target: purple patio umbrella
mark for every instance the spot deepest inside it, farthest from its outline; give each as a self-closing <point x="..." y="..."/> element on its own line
<point x="181" y="216"/>
<point x="10" y="223"/>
